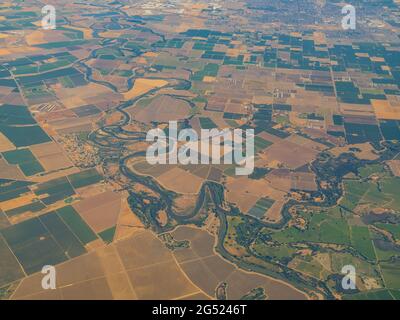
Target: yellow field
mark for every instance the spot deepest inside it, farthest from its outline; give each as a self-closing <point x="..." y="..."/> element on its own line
<point x="142" y="86"/>
<point x="384" y="110"/>
<point x="111" y="34"/>
<point x="35" y="37"/>
<point x="4" y="52"/>
<point x="17" y="202"/>
<point x="209" y="79"/>
<point x="11" y="50"/>
<point x="5" y="144"/>
<point x="87" y="33"/>
<point x="150" y="54"/>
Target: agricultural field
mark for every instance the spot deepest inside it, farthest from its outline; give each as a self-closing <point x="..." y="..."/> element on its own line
<point x="78" y="190"/>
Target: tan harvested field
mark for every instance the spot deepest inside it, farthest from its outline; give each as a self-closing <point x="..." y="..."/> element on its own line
<point x="274" y="214"/>
<point x="96" y="289"/>
<point x="245" y="192"/>
<point x="235" y="108"/>
<point x="85" y="127"/>
<point x="201" y="244"/>
<point x="269" y="137"/>
<point x="152" y="282"/>
<point x="87" y="33"/>
<point x="71" y="123"/>
<point x="4" y="223"/>
<point x="163" y="109"/>
<point x="142" y="86"/>
<point x="180" y="181"/>
<point x="364" y="151"/>
<point x="196" y="296"/>
<point x="18" y="202"/>
<point x="8" y="171"/>
<point x="386" y="110"/>
<point x="289" y="154"/>
<point x="394" y="166"/>
<point x="152" y="269"/>
<point x="144" y="168"/>
<point x="51" y="156"/>
<point x="55" y="162"/>
<point x="179" y="93"/>
<point x="202" y="171"/>
<point x="128" y="222"/>
<point x="207" y="269"/>
<point x="138" y="267"/>
<point x="84" y="95"/>
<point x="304" y="181"/>
<point x="141" y="250"/>
<point x="45" y="149"/>
<point x="55" y="175"/>
<point x="36" y="37"/>
<point x="304" y="142"/>
<point x="357" y="110"/>
<point x="101" y="211"/>
<point x="5" y="144"/>
<point x="280" y="179"/>
<point x="203" y="277"/>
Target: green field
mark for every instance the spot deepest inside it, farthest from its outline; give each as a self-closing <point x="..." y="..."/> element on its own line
<point x="108" y="235"/>
<point x="354" y="191"/>
<point x="4" y="223"/>
<point x="322" y="227"/>
<point x="13" y="189"/>
<point x="19" y="156"/>
<point x="361" y="241"/>
<point x="207" y="123"/>
<point x="261" y="144"/>
<point x="366" y="171"/>
<point x="85" y="178"/>
<point x="261" y="207"/>
<point x="63" y="235"/>
<point x="55" y="190"/>
<point x="394" y="229"/>
<point x="77" y="224"/>
<point x="24" y="136"/>
<point x="10" y="270"/>
<point x="371" y="295"/>
<point x="26" y="161"/>
<point x="33" y="245"/>
<point x="32" y="207"/>
<point x="390" y="188"/>
<point x="61" y="44"/>
<point x="15" y="115"/>
<point x="391" y="274"/>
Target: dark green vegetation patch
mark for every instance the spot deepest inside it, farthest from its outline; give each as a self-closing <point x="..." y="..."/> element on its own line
<point x="54" y="190"/>
<point x="26" y="161"/>
<point x="261" y="207"/>
<point x="77" y="224"/>
<point x="35" y="206"/>
<point x="108" y="235"/>
<point x="33" y="245"/>
<point x="85" y="178"/>
<point x="10" y="269"/>
<point x="63" y="235"/>
<point x="24" y="136"/>
<point x="10" y="189"/>
<point x="207" y="123"/>
<point x="15" y="115"/>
